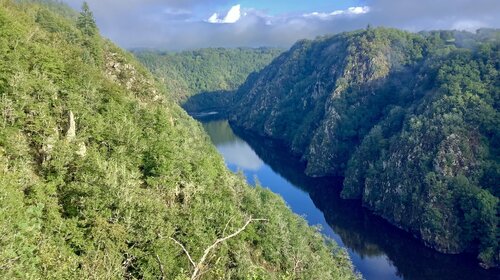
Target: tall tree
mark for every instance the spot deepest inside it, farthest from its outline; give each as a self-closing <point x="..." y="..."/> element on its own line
<point x="86" y="22"/>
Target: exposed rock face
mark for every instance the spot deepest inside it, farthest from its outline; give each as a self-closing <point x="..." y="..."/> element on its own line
<point x="402" y="188"/>
<point x="71" y="135"/>
<point x="455" y="156"/>
<point x="306" y="96"/>
<point x="410" y="122"/>
<point x="71" y="131"/>
<point x="82" y="149"/>
<point x="121" y="70"/>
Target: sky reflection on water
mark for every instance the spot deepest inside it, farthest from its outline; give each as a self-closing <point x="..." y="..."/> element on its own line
<point x="377" y="249"/>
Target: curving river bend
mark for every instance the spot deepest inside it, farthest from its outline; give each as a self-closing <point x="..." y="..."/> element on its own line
<point x="377" y="249"/>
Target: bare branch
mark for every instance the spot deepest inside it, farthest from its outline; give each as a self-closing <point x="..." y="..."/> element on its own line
<point x="227" y="224"/>
<point x="185" y="251"/>
<point x="161" y="267"/>
<point x="199" y="266"/>
<point x="297" y="264"/>
<point x="217" y="242"/>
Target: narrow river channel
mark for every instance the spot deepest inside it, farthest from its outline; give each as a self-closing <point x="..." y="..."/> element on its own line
<point x="377" y="249"/>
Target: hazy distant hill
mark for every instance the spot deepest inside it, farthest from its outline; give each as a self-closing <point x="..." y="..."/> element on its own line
<point x="205" y="70"/>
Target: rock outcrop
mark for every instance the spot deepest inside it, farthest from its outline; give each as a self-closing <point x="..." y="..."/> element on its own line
<point x="410" y="121"/>
<point x="71" y="131"/>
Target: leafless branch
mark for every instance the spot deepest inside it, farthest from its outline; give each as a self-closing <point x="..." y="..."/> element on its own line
<point x="199" y="266"/>
<point x="297" y="264"/>
<point x="217" y="242"/>
<point x="161" y="268"/>
<point x="227" y="224"/>
<point x="185" y="251"/>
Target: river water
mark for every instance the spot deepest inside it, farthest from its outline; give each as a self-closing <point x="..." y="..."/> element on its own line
<point x="377" y="249"/>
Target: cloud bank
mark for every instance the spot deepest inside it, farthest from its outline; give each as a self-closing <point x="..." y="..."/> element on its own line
<point x="189" y="24"/>
<point x="232" y="16"/>
<point x="349" y="11"/>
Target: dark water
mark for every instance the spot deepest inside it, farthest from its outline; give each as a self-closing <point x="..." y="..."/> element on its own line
<point x="377" y="249"/>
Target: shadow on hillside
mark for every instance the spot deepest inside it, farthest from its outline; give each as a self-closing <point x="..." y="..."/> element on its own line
<point x="361" y="231"/>
<point x="215" y="101"/>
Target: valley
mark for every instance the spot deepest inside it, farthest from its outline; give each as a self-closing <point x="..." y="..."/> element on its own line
<point x="104" y="176"/>
<point x="378" y="249"/>
<point x="150" y="140"/>
<point x="410" y="121"/>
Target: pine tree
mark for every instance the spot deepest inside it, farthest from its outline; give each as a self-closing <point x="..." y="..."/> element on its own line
<point x="86" y="22"/>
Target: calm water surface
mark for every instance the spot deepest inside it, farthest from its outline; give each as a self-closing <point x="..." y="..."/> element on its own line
<point x="377" y="249"/>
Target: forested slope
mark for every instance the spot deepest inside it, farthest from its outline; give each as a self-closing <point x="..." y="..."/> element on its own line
<point x="411" y="120"/>
<point x="102" y="176"/>
<point x="210" y="75"/>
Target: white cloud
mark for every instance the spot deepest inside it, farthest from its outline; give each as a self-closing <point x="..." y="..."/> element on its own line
<point x="183" y="24"/>
<point x="358" y="10"/>
<point x="241" y="154"/>
<point x="232" y="16"/>
<point x="214" y="18"/>
<point x="468" y="25"/>
<point x="348" y="11"/>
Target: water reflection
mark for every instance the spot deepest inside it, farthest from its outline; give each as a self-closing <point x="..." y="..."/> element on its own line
<point x="235" y="151"/>
<point x="378" y="250"/>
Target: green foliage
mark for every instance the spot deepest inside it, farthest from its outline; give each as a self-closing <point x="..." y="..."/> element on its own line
<point x="103" y="202"/>
<point x="402" y="116"/>
<point x="451" y="134"/>
<point x="88" y="27"/>
<point x="449" y="137"/>
<point x="219" y="101"/>
<point x="207" y="71"/>
<point x="479" y="208"/>
<point x="86" y="22"/>
<point x="56" y="6"/>
<point x="324" y="96"/>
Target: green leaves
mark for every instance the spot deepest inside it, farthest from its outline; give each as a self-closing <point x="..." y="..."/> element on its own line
<point x="208" y="71"/>
<point x="86" y="22"/>
<point x="400" y="115"/>
<point x="148" y="173"/>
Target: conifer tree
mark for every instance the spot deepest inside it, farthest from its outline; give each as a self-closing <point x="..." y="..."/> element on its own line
<point x="86" y="22"/>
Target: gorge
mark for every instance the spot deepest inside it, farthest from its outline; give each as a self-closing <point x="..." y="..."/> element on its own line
<point x="410" y="120"/>
<point x="104" y="176"/>
<point x="378" y="249"/>
<point x="370" y="153"/>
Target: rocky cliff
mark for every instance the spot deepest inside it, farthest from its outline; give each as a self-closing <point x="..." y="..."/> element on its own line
<point x="410" y="120"/>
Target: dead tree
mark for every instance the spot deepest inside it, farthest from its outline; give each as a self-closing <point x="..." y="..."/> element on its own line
<point x="199" y="265"/>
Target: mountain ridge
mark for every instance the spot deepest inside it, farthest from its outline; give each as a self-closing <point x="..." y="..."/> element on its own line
<point x="205" y="71"/>
<point x="103" y="175"/>
<point x="350" y="104"/>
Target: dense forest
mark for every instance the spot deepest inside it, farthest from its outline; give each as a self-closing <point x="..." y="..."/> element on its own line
<point x="410" y="120"/>
<point x="103" y="176"/>
<point x="205" y="79"/>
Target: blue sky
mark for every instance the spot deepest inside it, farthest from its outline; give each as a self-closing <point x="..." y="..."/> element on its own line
<point x="191" y="24"/>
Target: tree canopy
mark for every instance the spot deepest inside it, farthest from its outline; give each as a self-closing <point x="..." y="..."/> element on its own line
<point x="404" y="117"/>
<point x="86" y="22"/>
<point x="100" y="171"/>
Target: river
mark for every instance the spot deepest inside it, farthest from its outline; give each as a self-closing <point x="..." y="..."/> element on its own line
<point x="377" y="249"/>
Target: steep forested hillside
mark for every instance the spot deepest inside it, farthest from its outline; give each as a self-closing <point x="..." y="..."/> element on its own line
<point x="103" y="177"/>
<point x="207" y="71"/>
<point x="411" y="120"/>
